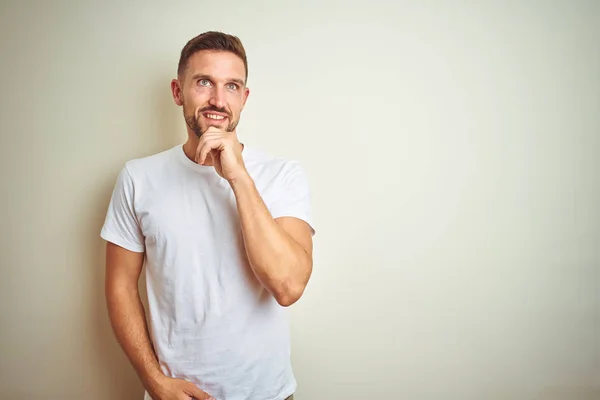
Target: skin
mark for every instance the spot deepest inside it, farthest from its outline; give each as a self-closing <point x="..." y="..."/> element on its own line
<point x="279" y="250"/>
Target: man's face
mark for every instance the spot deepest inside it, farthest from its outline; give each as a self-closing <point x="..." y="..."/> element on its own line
<point x="212" y="91"/>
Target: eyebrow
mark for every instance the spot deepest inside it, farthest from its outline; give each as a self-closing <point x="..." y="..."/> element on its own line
<point x="210" y="78"/>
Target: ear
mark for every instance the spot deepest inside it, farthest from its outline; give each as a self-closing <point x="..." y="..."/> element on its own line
<point x="246" y="94"/>
<point x="176" y="91"/>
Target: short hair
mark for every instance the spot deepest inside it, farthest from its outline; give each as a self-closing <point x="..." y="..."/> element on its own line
<point x="212" y="41"/>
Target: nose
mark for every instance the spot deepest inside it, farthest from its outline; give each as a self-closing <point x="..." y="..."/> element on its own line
<point x="217" y="98"/>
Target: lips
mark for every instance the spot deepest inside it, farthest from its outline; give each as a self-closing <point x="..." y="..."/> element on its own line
<point x="214" y="116"/>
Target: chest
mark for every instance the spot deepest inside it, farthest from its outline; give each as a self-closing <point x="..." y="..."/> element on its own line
<point x="199" y="213"/>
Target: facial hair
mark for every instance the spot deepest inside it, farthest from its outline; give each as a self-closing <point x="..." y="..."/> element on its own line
<point x="194" y="123"/>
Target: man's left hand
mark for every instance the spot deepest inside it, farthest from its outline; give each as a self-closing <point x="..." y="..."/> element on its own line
<point x="225" y="151"/>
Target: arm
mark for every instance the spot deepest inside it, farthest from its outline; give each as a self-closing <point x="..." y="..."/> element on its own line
<point x="126" y="312"/>
<point x="124" y="262"/>
<point x="279" y="250"/>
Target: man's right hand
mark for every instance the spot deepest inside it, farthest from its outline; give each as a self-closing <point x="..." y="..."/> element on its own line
<point x="178" y="389"/>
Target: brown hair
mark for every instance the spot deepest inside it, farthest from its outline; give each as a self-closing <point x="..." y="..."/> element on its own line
<point x="214" y="41"/>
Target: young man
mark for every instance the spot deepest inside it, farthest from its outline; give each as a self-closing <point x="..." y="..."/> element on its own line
<point x="226" y="234"/>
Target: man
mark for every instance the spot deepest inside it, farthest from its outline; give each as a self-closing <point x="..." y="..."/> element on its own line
<point x="226" y="234"/>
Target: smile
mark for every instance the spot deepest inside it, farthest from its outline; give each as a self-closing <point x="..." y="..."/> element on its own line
<point x="215" y="116"/>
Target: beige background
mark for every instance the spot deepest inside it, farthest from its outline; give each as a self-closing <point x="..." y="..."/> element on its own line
<point x="453" y="157"/>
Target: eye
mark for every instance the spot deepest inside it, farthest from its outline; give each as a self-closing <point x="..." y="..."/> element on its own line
<point x="204" y="82"/>
<point x="232" y="86"/>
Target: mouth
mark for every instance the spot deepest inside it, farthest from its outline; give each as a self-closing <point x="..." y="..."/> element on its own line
<point x="214" y="116"/>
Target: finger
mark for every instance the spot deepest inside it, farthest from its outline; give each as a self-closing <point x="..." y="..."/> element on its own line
<point x="208" y="147"/>
<point x="214" y="130"/>
<point x="199" y="147"/>
<point x="211" y="133"/>
<point x="204" y="148"/>
<point x="196" y="393"/>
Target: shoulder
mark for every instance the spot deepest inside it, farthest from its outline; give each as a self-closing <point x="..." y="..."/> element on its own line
<point x="139" y="168"/>
<point x="272" y="167"/>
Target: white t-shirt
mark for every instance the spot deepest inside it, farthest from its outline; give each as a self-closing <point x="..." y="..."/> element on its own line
<point x="210" y="319"/>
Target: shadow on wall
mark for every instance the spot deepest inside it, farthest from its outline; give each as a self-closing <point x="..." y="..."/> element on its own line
<point x="166" y="126"/>
<point x="158" y="133"/>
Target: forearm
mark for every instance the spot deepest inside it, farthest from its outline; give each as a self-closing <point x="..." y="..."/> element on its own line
<point x="274" y="256"/>
<point x="128" y="321"/>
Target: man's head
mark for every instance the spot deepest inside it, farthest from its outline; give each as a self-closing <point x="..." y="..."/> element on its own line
<point x="211" y="82"/>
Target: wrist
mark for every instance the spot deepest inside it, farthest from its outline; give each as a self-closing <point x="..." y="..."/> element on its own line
<point x="154" y="381"/>
<point x="242" y="180"/>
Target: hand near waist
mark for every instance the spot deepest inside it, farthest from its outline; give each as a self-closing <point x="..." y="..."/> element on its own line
<point x="178" y="389"/>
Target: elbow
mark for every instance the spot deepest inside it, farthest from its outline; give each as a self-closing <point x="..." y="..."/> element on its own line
<point x="286" y="298"/>
<point x="290" y="291"/>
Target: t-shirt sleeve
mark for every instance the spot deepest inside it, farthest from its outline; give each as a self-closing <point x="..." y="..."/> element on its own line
<point x="294" y="196"/>
<point x="121" y="226"/>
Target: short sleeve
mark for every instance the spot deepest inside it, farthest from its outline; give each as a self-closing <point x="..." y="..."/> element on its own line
<point x="293" y="198"/>
<point x="121" y="226"/>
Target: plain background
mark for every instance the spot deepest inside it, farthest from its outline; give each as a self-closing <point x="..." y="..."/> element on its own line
<point x="452" y="149"/>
